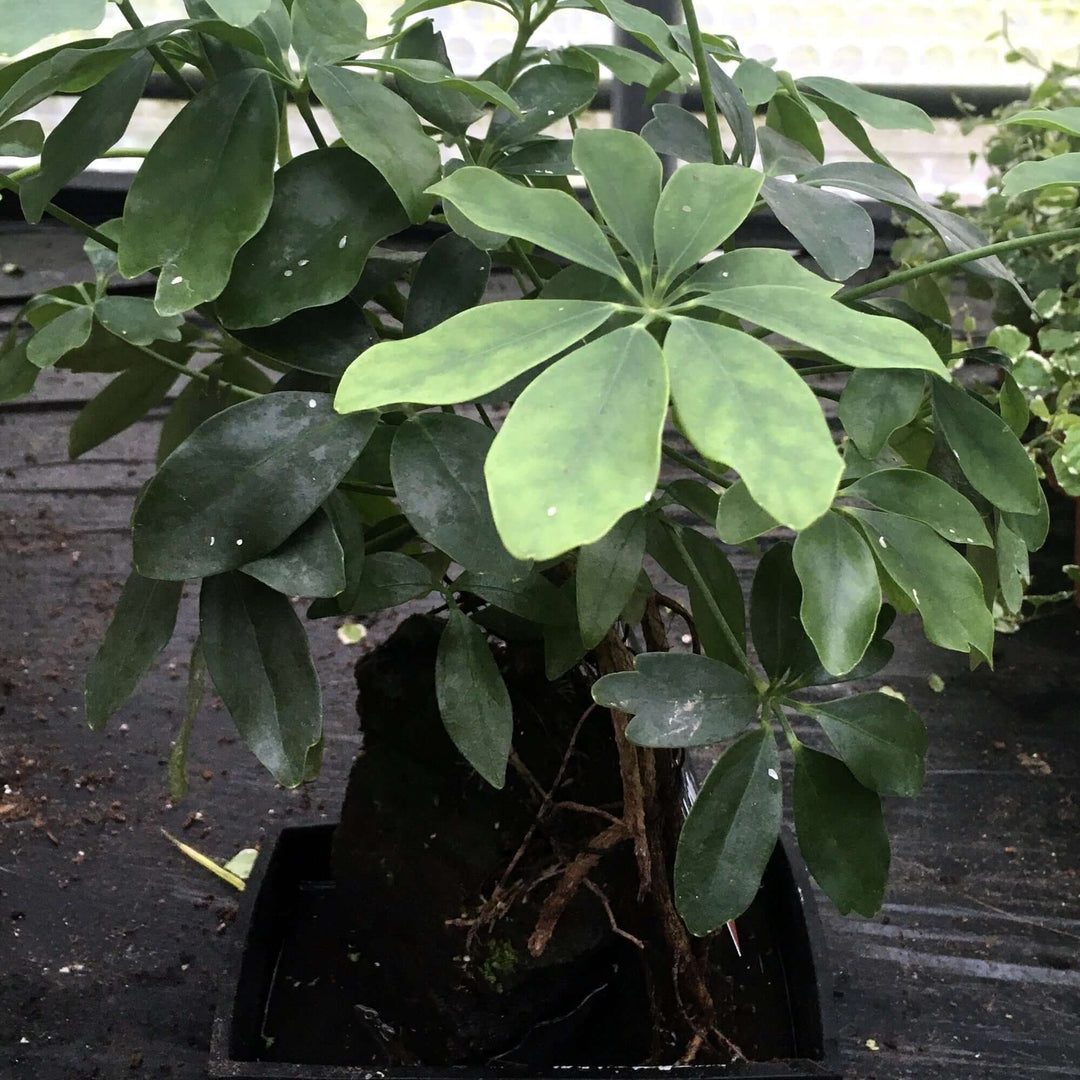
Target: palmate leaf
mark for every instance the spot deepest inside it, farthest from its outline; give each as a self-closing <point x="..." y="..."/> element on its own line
<point x="581" y="445"/>
<point x="755" y="266"/>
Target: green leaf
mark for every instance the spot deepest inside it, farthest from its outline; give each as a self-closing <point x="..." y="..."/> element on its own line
<point x="624" y="178"/>
<point x="679" y="699"/>
<point x="775" y="628"/>
<point x="627" y="65"/>
<point x="698" y="498"/>
<point x="330" y="208"/>
<point x="834" y="230"/>
<point x="674" y="131"/>
<point x="729" y="834"/>
<point x="878" y="111"/>
<point x="544" y="94"/>
<point x="24" y="24"/>
<point x="861" y="341"/>
<point x="795" y="122"/>
<point x="188" y="210"/>
<point x="756" y="266"/>
<point x="309" y="563"/>
<point x="434" y="73"/>
<point x="840" y="592"/>
<point x="552" y="219"/>
<point x="448" y="109"/>
<point x="243" y="483"/>
<point x="530" y="596"/>
<point x="257" y="654"/>
<point x="1034" y="175"/>
<point x="756" y="81"/>
<point x="451" y="278"/>
<point x="437" y="465"/>
<point x="1013" y="405"/>
<point x="846" y="123"/>
<point x="324" y="31"/>
<point x="732" y="105"/>
<point x="543" y="157"/>
<point x="607" y="573"/>
<point x="64" y="334"/>
<point x="389" y="578"/>
<point x="648" y="27"/>
<point x="1014" y="573"/>
<point x="196" y="688"/>
<point x="581" y="445"/>
<point x="383" y="129"/>
<point x="142" y="625"/>
<point x="21" y="138"/>
<point x="925" y="498"/>
<point x="473" y="700"/>
<point x="469" y="355"/>
<point x="1032" y="527"/>
<point x="123" y="402"/>
<point x="135" y="320"/>
<point x="841" y="833"/>
<point x="874" y="404"/>
<point x="739" y="518"/>
<point x="239" y="12"/>
<point x="1066" y="120"/>
<point x="935" y="576"/>
<point x="96" y="122"/>
<point x="699" y="208"/>
<point x="740" y="402"/>
<point x="990" y="455"/>
<point x="781" y="156"/>
<point x="17" y="373"/>
<point x="347" y="519"/>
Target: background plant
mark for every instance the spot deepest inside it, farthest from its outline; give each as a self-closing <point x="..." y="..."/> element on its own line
<point x="334" y="436"/>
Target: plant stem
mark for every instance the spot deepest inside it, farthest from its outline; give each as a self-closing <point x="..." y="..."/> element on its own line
<point x="735" y="645"/>
<point x="29" y="170"/>
<point x="193" y="373"/>
<point x="519" y="249"/>
<point x="391" y="539"/>
<point x="303" y="105"/>
<point x="702" y="470"/>
<point x="482" y="412"/>
<point x="62" y="215"/>
<point x="701" y="62"/>
<point x="160" y="58"/>
<point x="947" y="263"/>
<point x="521" y="39"/>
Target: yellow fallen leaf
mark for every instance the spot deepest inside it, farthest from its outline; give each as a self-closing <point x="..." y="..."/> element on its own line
<point x="225" y="875"/>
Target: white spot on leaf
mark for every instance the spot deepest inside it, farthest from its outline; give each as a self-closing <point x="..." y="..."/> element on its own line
<point x="551" y="511"/>
<point x="176" y="280"/>
<point x="311" y="403"/>
<point x="212" y="541"/>
<point x="881" y="541"/>
<point x="239" y="543"/>
<point x="773" y="774"/>
<point x="343" y="241"/>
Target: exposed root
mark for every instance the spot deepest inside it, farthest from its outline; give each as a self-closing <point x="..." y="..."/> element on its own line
<point x="615" y="927"/>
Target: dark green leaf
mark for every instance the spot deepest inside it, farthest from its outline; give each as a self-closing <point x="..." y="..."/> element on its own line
<point x="389" y="578"/>
<point x="309" y="563"/>
<point x="781" y="156"/>
<point x="196" y="688"/>
<point x="135" y="320"/>
<point x="1014" y="574"/>
<point x="64" y="334"/>
<point x="627" y="65"/>
<point x="142" y="625"/>
<point x="544" y="94"/>
<point x="541" y="157"/>
<point x="437" y="465"/>
<point x="729" y="834"/>
<point x="530" y="596"/>
<point x="21" y="138"/>
<point x="841" y="596"/>
<point x="257" y="654"/>
<point x="792" y="120"/>
<point x="733" y="107"/>
<point x="679" y="699"/>
<point x="698" y="498"/>
<point x="991" y="456"/>
<point x="775" y="628"/>
<point x="451" y="278"/>
<point x="203" y="190"/>
<point x="1032" y="527"/>
<point x="563" y="647"/>
<point x="447" y="108"/>
<point x="324" y="31"/>
<point x="607" y="572"/>
<point x="875" y="403"/>
<point x="1013" y="405"/>
<point x="674" y="131"/>
<point x="348" y="522"/>
<point x="473" y="700"/>
<point x="127" y="399"/>
<point x="841" y="833"/>
<point x="648" y="27"/>
<point x="17" y="374"/>
<point x="739" y="518"/>
<point x="740" y="402"/>
<point x="581" y="445"/>
<point x="243" y="483"/>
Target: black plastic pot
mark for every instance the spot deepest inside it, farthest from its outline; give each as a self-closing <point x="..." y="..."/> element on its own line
<point x="292" y="886"/>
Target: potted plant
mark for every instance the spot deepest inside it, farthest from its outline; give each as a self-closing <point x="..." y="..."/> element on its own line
<point x="340" y="439"/>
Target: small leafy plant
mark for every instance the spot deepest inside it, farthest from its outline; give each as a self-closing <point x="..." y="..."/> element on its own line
<point x="341" y="434"/>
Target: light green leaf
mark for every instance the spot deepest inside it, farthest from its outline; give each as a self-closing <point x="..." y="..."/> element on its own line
<point x="196" y="688"/>
<point x="24" y="24"/>
<point x="142" y="625"/>
<point x="473" y="700"/>
<point x="627" y="65"/>
<point x="729" y="834"/>
<point x="21" y="138"/>
<point x="624" y="178"/>
<point x="239" y="12"/>
<point x="1033" y="175"/>
<point x="330" y="208"/>
<point x="835" y="230"/>
<point x="739" y="402"/>
<point x="700" y="207"/>
<point x="309" y="563"/>
<point x="1013" y="405"/>
<point x="777" y="633"/>
<point x="96" y="122"/>
<point x="123" y="402"/>
<point x="451" y="278"/>
<point x="607" y="573"/>
<point x="17" y="374"/>
<point x="1066" y="120"/>
<point x="437" y="465"/>
<point x="841" y="832"/>
<point x="757" y="81"/>
<point x="388" y="578"/>
<point x="679" y="699"/>
<point x="880" y="738"/>
<point x="581" y="445"/>
<point x="756" y="266"/>
<point x="136" y="321"/>
<point x="861" y="341"/>
<point x="383" y="129"/>
<point x="875" y="403"/>
<point x="1032" y="527"/>
<point x="1014" y="573"/>
<point x="675" y="131"/>
<point x="990" y="455"/>
<point x="739" y="518"/>
<point x="243" y="483"/>
<point x="935" y="577"/>
<point x="648" y="27"/>
<point x="258" y="657"/>
<point x="469" y="355"/>
<point x="552" y="219"/>
<point x="324" y="31"/>
<point x="878" y="111"/>
<point x="840" y="592"/>
<point x="203" y="190"/>
<point x="781" y="156"/>
<point x="64" y="334"/>
<point x="926" y="498"/>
